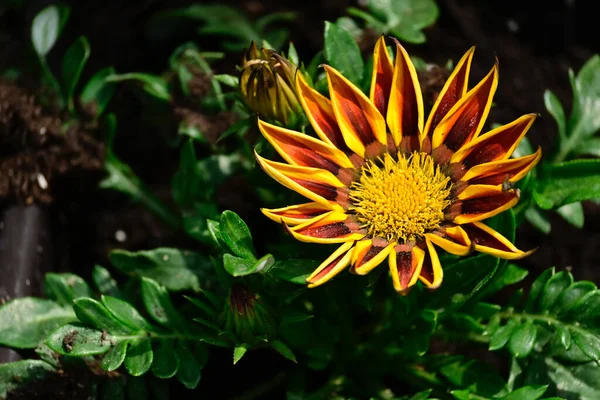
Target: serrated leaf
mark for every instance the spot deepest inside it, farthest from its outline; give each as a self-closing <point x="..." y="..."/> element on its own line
<point x="536" y="290"/>
<point x="115" y="356"/>
<point x="176" y="269"/>
<point x="568" y="182"/>
<point x="166" y="362"/>
<point x="502" y="335"/>
<point x="125" y="313"/>
<point x="78" y="340"/>
<point x="93" y="313"/>
<point x="159" y="306"/>
<point x="554" y="288"/>
<point x="239" y="352"/>
<point x="522" y="340"/>
<point x="190" y="370"/>
<point x="64" y="288"/>
<point x="283" y="349"/>
<point x="342" y="52"/>
<point x="236" y="235"/>
<point x="139" y="357"/>
<point x="26" y="321"/>
<point x="21" y="374"/>
<point x="72" y="65"/>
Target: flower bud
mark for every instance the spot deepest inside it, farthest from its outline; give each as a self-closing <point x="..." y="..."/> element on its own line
<point x="267" y="85"/>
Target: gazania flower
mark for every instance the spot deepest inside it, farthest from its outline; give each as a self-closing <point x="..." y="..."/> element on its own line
<point x="387" y="184"/>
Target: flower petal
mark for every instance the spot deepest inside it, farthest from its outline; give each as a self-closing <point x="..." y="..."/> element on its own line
<point x="480" y="202"/>
<point x="381" y="81"/>
<point x="313" y="183"/>
<point x="432" y="273"/>
<point x="465" y="119"/>
<point x="406" y="262"/>
<point x="332" y="266"/>
<point x="300" y="149"/>
<point x="359" y="120"/>
<point x="369" y="253"/>
<point x="496" y="172"/>
<point x="453" y="239"/>
<point x="319" y="111"/>
<point x="454" y="88"/>
<point x="297" y="214"/>
<point x="332" y="227"/>
<point x="487" y="240"/>
<point x="405" y="110"/>
<point x="497" y="144"/>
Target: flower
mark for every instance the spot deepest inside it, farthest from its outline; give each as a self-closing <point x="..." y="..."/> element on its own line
<point x="386" y="184"/>
<point x="267" y="85"/>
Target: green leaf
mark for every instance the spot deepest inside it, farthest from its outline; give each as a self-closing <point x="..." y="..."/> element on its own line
<point x="227" y="80"/>
<point x="574" y="294"/>
<point x="190" y="370"/>
<point x="572" y="213"/>
<point x="509" y="275"/>
<point x="104" y="282"/>
<point x="588" y="343"/>
<point x="78" y="340"/>
<point x="151" y="84"/>
<point x="342" y="52"/>
<point x="588" y="307"/>
<point x="22" y="374"/>
<point x="97" y="92"/>
<point x="166" y="362"/>
<point x="556" y="110"/>
<point x="283" y="349"/>
<point x="93" y="313"/>
<point x="568" y="182"/>
<point x="115" y="356"/>
<point x="125" y="313"/>
<point x="239" y="352"/>
<point x="294" y="271"/>
<point x="554" y="288"/>
<point x="159" y="306"/>
<point x="46" y="28"/>
<point x="589" y="146"/>
<point x="502" y="335"/>
<point x="538" y="220"/>
<point x="139" y="357"/>
<point x="536" y="290"/>
<point x="64" y="288"/>
<point x="522" y="340"/>
<point x="187" y="186"/>
<point x="26" y="321"/>
<point x="526" y="393"/>
<point x="174" y="268"/>
<point x="72" y="65"/>
<point x="564" y="336"/>
<point x="236" y="235"/>
<point x="424" y="395"/>
<point x="579" y="379"/>
<point x="237" y="266"/>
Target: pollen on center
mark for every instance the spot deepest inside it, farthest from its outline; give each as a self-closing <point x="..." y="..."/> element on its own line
<point x="400" y="199"/>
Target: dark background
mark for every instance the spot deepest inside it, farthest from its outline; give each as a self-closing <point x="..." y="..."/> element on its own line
<point x="536" y="43"/>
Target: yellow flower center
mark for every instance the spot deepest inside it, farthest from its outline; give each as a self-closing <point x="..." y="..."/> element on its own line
<point x="400" y="200"/>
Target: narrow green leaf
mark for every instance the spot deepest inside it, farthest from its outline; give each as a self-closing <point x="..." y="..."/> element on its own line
<point x="77" y="340"/>
<point x="174" y="268"/>
<point x="236" y="235"/>
<point x="564" y="335"/>
<point x="64" y="288"/>
<point x="26" y="321"/>
<point x="190" y="370"/>
<point x="115" y="356"/>
<point x="239" y="352"/>
<point x="159" y="306"/>
<point x="166" y="362"/>
<point x="72" y="65"/>
<point x="568" y="182"/>
<point x="522" y="340"/>
<point x="283" y="349"/>
<point x="104" y="282"/>
<point x="125" y="313"/>
<point x="538" y="220"/>
<point x="227" y="80"/>
<point x="151" y="84"/>
<point x="93" y="313"/>
<point x="536" y="290"/>
<point x="502" y="335"/>
<point x="572" y="213"/>
<point x="554" y="288"/>
<point x="556" y="110"/>
<point x="22" y="374"/>
<point x="342" y="52"/>
<point x="139" y="357"/>
<point x="97" y="92"/>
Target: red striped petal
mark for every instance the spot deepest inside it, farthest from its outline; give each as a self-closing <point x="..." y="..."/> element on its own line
<point x="406" y="262"/>
<point x="332" y="266"/>
<point x="332" y="227"/>
<point x="381" y="81"/>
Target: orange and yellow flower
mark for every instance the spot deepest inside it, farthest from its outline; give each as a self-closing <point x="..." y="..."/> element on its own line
<point x="387" y="184"/>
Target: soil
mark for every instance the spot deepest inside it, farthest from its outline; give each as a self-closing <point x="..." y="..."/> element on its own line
<point x="535" y="47"/>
